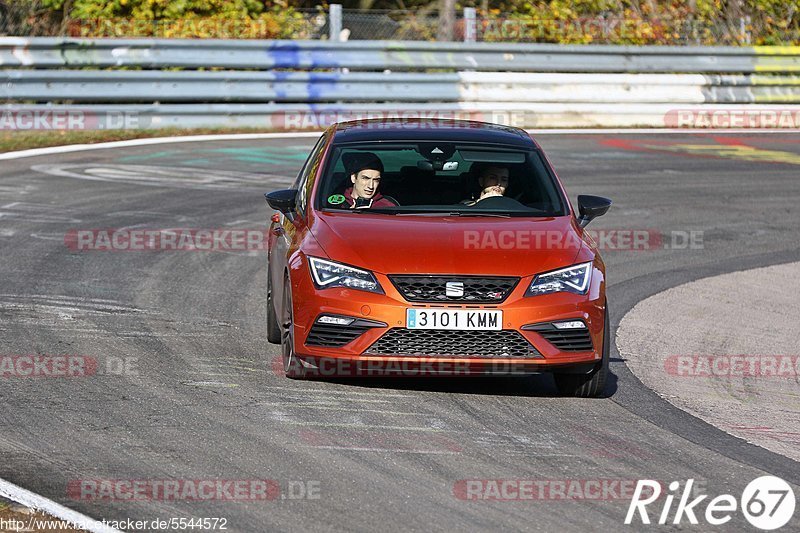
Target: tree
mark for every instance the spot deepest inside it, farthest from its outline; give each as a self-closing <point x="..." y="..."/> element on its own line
<point x="447" y="20"/>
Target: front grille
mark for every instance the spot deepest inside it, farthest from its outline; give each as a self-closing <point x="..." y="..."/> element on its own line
<point x="476" y="289"/>
<point x="569" y="340"/>
<point x="445" y="343"/>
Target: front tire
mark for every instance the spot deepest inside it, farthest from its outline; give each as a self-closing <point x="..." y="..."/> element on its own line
<point x="292" y="366"/>
<point x="593" y="384"/>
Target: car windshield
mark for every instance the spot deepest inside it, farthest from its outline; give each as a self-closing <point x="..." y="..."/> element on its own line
<point x="433" y="177"/>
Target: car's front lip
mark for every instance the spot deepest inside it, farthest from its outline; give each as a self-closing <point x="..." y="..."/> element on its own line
<point x="343" y="367"/>
<point x="390" y="308"/>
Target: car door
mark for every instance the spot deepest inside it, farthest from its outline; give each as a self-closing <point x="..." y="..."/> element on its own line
<point x="286" y="234"/>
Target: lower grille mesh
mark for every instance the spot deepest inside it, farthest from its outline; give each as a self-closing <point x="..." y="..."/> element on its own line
<point x="333" y="336"/>
<point x="444" y="343"/>
<point x="569" y="340"/>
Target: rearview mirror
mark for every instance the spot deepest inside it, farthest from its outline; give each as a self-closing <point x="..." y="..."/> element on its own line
<point x="591" y="207"/>
<point x="283" y="201"/>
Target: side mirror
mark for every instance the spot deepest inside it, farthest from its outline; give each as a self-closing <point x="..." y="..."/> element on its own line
<point x="283" y="201"/>
<point x="591" y="207"/>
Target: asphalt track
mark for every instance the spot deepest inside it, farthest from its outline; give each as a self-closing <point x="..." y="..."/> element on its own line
<point x="201" y="400"/>
<point x="747" y="370"/>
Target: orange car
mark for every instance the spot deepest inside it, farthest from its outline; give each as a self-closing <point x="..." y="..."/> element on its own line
<point x="435" y="247"/>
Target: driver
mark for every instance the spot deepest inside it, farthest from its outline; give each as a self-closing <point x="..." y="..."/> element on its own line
<point x="365" y="169"/>
<point x="492" y="180"/>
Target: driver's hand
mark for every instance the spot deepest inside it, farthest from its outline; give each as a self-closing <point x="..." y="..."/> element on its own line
<point x="491" y="191"/>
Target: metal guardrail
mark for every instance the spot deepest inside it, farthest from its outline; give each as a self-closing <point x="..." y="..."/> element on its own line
<point x="319" y="116"/>
<point x="241" y="86"/>
<point x="311" y="83"/>
<point x="379" y="55"/>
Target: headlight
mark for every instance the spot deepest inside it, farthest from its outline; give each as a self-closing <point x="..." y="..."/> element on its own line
<point x="573" y="279"/>
<point x="327" y="274"/>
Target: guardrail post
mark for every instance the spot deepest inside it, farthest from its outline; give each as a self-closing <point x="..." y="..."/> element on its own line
<point x="335" y="22"/>
<point x="744" y="29"/>
<point x="470" y="25"/>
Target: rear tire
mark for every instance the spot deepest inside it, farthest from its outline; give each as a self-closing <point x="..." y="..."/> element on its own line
<point x="292" y="366"/>
<point x="593" y="384"/>
<point x="273" y="328"/>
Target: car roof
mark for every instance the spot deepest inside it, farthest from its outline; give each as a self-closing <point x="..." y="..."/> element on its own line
<point x="434" y="129"/>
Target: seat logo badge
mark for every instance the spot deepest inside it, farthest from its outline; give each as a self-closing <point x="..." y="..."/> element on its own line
<point x="454" y="289"/>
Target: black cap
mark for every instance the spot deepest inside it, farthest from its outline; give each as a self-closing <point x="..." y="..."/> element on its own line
<point x="355" y="162"/>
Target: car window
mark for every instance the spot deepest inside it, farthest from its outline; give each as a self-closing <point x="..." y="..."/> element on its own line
<point x="442" y="176"/>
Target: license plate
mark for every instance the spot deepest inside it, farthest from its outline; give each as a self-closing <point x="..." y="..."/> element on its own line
<point x="458" y="319"/>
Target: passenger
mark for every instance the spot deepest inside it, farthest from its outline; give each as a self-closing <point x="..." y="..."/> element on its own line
<point x="492" y="179"/>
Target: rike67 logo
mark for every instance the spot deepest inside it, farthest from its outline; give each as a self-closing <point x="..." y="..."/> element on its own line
<point x="767" y="502"/>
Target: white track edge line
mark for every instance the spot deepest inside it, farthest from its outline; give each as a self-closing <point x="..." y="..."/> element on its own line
<point x="152" y="140"/>
<point x="51" y="150"/>
<point x="40" y="503"/>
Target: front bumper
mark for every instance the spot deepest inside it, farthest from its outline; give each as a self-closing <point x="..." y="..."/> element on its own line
<point x="380" y="316"/>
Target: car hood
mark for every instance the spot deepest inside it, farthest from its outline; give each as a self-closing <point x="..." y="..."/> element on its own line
<point x="391" y="244"/>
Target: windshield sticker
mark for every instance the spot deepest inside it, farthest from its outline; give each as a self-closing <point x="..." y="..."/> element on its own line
<point x="336" y="199"/>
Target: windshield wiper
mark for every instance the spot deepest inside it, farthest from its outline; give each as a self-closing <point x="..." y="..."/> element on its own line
<point x="449" y="214"/>
<point x="380" y="210"/>
<point x="422" y="213"/>
<point x="478" y="214"/>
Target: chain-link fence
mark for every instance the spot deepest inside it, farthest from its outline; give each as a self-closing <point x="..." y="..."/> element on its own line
<point x="400" y="25"/>
<point x="609" y="28"/>
<point x="294" y="26"/>
<point x="782" y="27"/>
<point x="28" y="18"/>
<point x="625" y="30"/>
